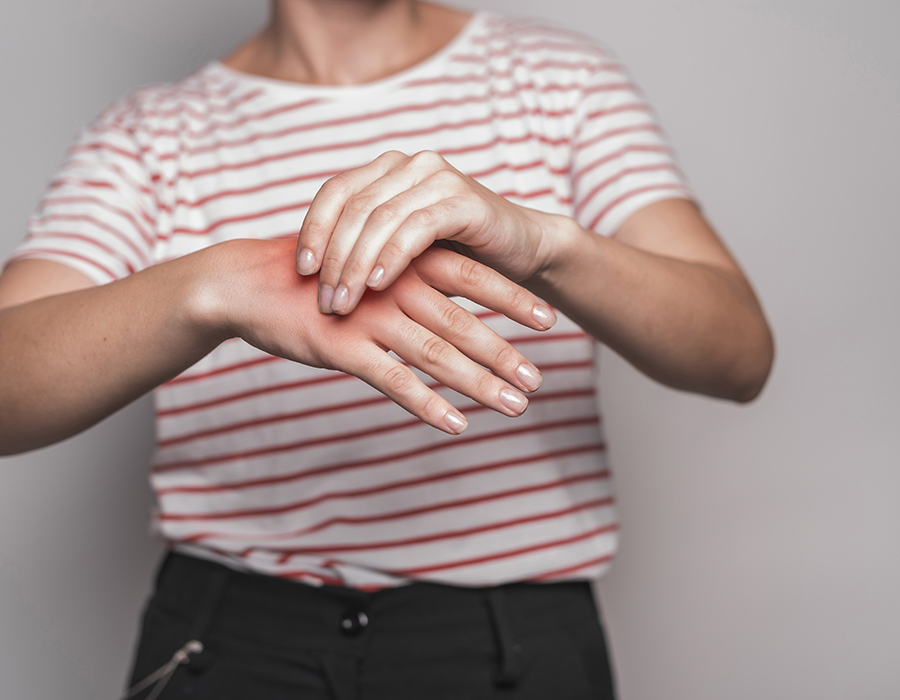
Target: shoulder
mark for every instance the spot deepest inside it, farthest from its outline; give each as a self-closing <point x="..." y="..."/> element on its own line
<point x="542" y="47"/>
<point x="172" y="109"/>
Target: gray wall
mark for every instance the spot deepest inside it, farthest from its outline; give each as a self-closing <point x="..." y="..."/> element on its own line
<point x="759" y="543"/>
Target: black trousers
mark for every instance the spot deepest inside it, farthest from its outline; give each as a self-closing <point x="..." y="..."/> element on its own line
<point x="273" y="639"/>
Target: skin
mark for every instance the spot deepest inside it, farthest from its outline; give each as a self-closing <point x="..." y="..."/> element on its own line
<point x="664" y="292"/>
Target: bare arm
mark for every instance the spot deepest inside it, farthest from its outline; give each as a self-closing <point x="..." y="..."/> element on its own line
<point x="666" y="295"/>
<point x="72" y="353"/>
<point x="664" y="292"/>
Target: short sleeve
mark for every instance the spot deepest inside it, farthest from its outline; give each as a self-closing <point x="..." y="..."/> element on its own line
<point x="98" y="215"/>
<point x="621" y="159"/>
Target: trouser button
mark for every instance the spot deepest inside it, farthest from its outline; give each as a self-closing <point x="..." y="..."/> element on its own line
<point x="353" y="622"/>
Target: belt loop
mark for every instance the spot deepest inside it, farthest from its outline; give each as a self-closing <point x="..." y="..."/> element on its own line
<point x="510" y="667"/>
<point x="215" y="589"/>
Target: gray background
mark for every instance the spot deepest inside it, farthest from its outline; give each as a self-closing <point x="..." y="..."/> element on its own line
<point x="760" y="544"/>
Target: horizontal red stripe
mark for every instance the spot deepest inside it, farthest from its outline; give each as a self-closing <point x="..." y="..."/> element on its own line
<point x="53" y="200"/>
<point x="492" y="118"/>
<point x="128" y="180"/>
<point x="612" y="133"/>
<point x="184" y="378"/>
<point x="633" y="193"/>
<point x="333" y="376"/>
<point x="434" y="507"/>
<point x="186" y="132"/>
<point x="95" y="146"/>
<point x="623" y="173"/>
<point x="185" y="109"/>
<point x="314" y="442"/>
<point x="568" y="570"/>
<point x="79" y="182"/>
<point x="43" y="235"/>
<point x="242" y="218"/>
<point x="250" y="393"/>
<point x="93" y="221"/>
<point x="355" y="464"/>
<point x="334" y="408"/>
<point x="631" y="148"/>
<point x="549" y="336"/>
<point x="506" y="554"/>
<point x="31" y="252"/>
<point x="384" y="487"/>
<point x="448" y="534"/>
<point x="509" y="74"/>
<point x="258" y="188"/>
<point x="531" y="48"/>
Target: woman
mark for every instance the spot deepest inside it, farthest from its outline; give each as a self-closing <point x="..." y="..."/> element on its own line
<point x="324" y="543"/>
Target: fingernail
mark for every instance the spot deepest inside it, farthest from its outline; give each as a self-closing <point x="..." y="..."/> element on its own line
<point x="326" y="294"/>
<point x="514" y="401"/>
<point x="544" y="316"/>
<point x="341" y="299"/>
<point x="455" y="421"/>
<point x="529" y="376"/>
<point x="376" y="277"/>
<point x="306" y="262"/>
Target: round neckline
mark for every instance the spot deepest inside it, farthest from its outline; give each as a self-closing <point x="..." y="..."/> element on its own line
<point x="422" y="67"/>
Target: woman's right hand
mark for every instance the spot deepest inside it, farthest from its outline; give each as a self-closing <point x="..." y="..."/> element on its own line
<point x="259" y="297"/>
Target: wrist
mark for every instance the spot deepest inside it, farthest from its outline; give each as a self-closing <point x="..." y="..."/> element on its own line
<point x="207" y="286"/>
<point x="562" y="240"/>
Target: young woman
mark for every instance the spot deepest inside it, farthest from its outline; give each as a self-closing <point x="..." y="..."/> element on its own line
<point x="324" y="543"/>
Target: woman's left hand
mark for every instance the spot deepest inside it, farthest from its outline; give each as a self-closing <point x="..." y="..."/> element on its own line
<point x="366" y="225"/>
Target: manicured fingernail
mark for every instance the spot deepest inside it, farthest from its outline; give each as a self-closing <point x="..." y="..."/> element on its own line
<point x="455" y="421"/>
<point x="529" y="376"/>
<point x="306" y="262"/>
<point x="544" y="316"/>
<point x="341" y="299"/>
<point x="376" y="277"/>
<point x="326" y="294"/>
<point x="514" y="401"/>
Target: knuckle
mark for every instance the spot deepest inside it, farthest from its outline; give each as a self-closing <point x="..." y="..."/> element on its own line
<point x="398" y="380"/>
<point x="435" y="351"/>
<point x="393" y="156"/>
<point x="423" y="219"/>
<point x="338" y="187"/>
<point x="359" y="205"/>
<point x="446" y="179"/>
<point x="386" y="214"/>
<point x="353" y="268"/>
<point x="427" y="159"/>
<point x="315" y="228"/>
<point x="455" y="318"/>
<point x="504" y="355"/>
<point x="394" y="250"/>
<point x="472" y="273"/>
<point x="484" y="384"/>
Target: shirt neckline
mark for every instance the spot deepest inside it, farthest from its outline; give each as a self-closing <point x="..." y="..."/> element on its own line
<point x="422" y="69"/>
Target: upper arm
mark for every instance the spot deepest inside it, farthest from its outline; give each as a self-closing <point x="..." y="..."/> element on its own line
<point x="32" y="278"/>
<point x="675" y="228"/>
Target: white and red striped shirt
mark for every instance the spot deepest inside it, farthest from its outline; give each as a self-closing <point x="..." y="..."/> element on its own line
<point x="311" y="474"/>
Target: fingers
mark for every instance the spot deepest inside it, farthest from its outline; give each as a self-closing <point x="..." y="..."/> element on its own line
<point x="400" y="384"/>
<point x="328" y="204"/>
<point x="365" y="225"/>
<point x="457" y="275"/>
<point x="477" y="342"/>
<point x="442" y="359"/>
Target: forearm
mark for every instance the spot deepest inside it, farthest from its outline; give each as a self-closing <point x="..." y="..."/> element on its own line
<point x="67" y="361"/>
<point x="691" y="325"/>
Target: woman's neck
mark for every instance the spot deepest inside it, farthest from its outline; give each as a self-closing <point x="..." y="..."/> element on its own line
<point x="346" y="42"/>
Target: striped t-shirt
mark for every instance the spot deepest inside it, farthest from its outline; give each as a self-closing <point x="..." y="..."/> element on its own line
<point x="311" y="474"/>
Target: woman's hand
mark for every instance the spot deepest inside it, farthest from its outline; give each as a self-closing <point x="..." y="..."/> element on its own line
<point x="366" y="225"/>
<point x="266" y="303"/>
